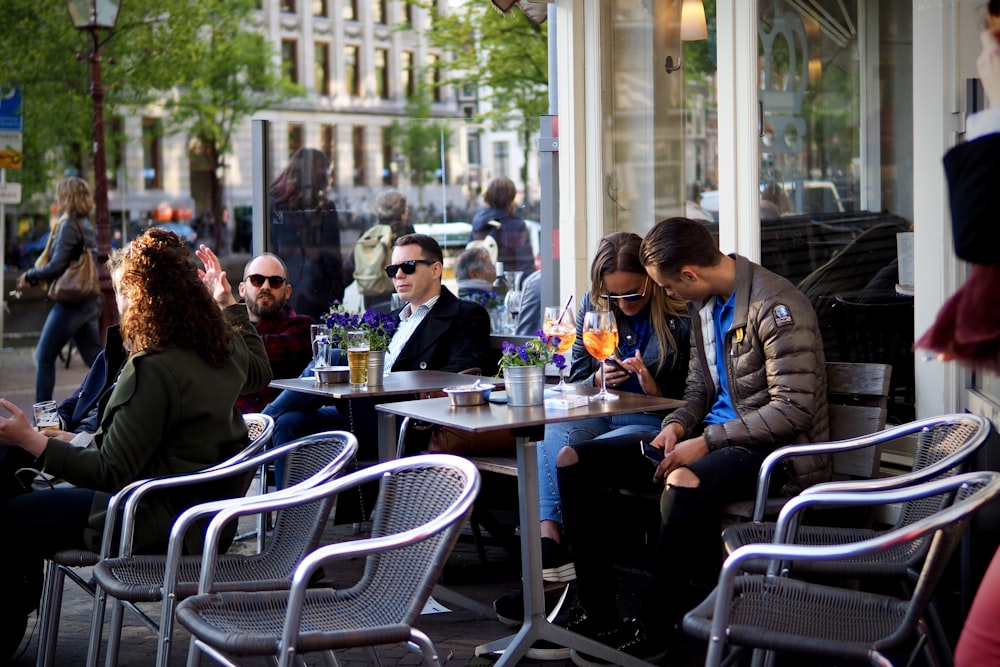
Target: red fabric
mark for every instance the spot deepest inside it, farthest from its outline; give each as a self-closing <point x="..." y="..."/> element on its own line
<point x="967" y="328"/>
<point x="979" y="643"/>
<point x="287" y="341"/>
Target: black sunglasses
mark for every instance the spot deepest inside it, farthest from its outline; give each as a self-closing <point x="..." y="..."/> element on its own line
<point x="257" y="280"/>
<point x="628" y="297"/>
<point x="409" y="267"/>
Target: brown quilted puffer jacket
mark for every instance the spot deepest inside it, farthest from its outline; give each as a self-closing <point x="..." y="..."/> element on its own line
<point x="776" y="373"/>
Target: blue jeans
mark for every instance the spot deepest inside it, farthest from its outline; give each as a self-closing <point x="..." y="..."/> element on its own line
<point x="78" y="322"/>
<point x="561" y="434"/>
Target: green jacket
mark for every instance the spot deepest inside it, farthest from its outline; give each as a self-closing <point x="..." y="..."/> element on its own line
<point x="169" y="413"/>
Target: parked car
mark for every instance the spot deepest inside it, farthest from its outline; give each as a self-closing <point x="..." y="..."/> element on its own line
<point x="183" y="230"/>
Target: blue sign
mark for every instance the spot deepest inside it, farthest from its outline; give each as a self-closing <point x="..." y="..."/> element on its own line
<point x="10" y="109"/>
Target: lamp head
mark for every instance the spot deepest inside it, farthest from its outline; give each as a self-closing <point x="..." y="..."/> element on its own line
<point x="94" y="14"/>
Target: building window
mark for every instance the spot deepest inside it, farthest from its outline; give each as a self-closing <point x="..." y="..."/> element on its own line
<point x="114" y="131"/>
<point x="501" y="158"/>
<point x="319" y="8"/>
<point x="288" y="6"/>
<point x="152" y="172"/>
<point x="350" y="10"/>
<point x="352" y="82"/>
<point x="408" y="13"/>
<point x="289" y="59"/>
<point x="388" y="175"/>
<point x="382" y="73"/>
<point x="408" y="84"/>
<point x="358" y="141"/>
<point x="321" y="67"/>
<point x="434" y="77"/>
<point x="379" y="11"/>
<point x="468" y="111"/>
<point x="296" y="137"/>
<point x="328" y="137"/>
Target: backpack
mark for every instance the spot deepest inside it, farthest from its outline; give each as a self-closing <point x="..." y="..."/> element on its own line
<point x="372" y="253"/>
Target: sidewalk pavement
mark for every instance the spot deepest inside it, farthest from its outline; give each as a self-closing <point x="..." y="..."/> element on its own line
<point x="17" y="376"/>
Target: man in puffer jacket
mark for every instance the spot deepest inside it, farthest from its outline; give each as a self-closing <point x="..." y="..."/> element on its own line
<point x="756" y="382"/>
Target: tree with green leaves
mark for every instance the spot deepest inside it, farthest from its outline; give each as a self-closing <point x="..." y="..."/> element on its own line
<point x="504" y="57"/>
<point x="201" y="62"/>
<point x="418" y="139"/>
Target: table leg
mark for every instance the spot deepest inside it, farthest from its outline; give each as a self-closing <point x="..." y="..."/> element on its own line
<point x="536" y="626"/>
<point x="386" y="436"/>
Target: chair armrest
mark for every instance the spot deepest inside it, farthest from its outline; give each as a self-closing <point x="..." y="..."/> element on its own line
<point x="870" y="440"/>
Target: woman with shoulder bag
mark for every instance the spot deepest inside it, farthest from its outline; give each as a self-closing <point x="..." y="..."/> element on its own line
<point x="71" y="238"/>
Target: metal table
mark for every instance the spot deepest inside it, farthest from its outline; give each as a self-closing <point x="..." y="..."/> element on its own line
<point x="397" y="383"/>
<point x="527" y="425"/>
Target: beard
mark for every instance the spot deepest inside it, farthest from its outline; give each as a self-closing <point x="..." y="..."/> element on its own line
<point x="265" y="308"/>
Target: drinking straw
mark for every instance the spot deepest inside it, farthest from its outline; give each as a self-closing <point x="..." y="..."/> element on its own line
<point x="565" y="309"/>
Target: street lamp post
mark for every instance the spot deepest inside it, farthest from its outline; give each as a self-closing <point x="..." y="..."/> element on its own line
<point x="94" y="16"/>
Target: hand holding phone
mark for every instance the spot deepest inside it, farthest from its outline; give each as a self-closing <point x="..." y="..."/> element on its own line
<point x="611" y="361"/>
<point x="653" y="454"/>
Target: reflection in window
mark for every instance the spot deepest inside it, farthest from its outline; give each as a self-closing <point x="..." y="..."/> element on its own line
<point x="352" y="82"/>
<point x="288" y="6"/>
<point x="831" y="205"/>
<point x="152" y="133"/>
<point x="434" y="76"/>
<point x="379" y="11"/>
<point x="290" y="59"/>
<point x="350" y="10"/>
<point x="321" y="67"/>
<point x="388" y="166"/>
<point x="115" y="141"/>
<point x="328" y="136"/>
<point x="382" y="73"/>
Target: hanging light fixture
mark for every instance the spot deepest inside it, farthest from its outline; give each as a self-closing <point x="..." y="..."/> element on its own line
<point x="694" y="27"/>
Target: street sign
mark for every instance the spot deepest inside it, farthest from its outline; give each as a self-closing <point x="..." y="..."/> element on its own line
<point x="10" y="193"/>
<point x="11" y="155"/>
<point x="10" y="109"/>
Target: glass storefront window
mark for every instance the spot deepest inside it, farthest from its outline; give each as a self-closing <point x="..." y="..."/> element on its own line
<point x="835" y="167"/>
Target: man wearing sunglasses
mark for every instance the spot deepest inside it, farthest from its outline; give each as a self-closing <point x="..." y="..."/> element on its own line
<point x="437" y="331"/>
<point x="265" y="290"/>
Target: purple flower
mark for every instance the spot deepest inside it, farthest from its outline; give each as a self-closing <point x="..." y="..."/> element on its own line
<point x="508" y="347"/>
<point x="559" y="360"/>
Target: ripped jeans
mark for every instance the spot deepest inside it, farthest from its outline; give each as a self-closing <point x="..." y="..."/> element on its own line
<point x="561" y="434"/>
<point x="689" y="547"/>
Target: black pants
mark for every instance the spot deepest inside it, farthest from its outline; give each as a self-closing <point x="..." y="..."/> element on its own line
<point x="689" y="547"/>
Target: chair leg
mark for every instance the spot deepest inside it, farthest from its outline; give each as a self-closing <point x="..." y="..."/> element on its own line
<point x="426" y="647"/>
<point x="96" y="626"/>
<point x="115" y="633"/>
<point x="49" y="613"/>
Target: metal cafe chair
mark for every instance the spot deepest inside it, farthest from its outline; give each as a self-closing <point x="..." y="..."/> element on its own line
<point x="422" y="505"/>
<point x="65" y="563"/>
<point x="775" y="612"/>
<point x="132" y="579"/>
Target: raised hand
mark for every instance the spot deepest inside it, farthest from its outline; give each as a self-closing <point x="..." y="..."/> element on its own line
<point x="214" y="277"/>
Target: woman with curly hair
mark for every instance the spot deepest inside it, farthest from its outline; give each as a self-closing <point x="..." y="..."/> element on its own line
<point x="72" y="235"/>
<point x="192" y="350"/>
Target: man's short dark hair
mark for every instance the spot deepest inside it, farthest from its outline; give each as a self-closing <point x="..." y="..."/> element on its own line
<point x="473" y="259"/>
<point x="677" y="242"/>
<point x="500" y="193"/>
<point x="428" y="246"/>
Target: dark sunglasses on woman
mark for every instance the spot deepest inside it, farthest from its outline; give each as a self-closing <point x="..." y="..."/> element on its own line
<point x="257" y="280"/>
<point x="628" y="297"/>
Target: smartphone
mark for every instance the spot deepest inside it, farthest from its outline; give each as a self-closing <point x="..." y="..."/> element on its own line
<point x="653" y="454"/>
<point x="611" y="361"/>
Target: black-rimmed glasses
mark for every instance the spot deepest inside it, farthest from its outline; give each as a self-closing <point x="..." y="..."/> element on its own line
<point x="274" y="281"/>
<point x="409" y="267"/>
<point x="628" y="297"/>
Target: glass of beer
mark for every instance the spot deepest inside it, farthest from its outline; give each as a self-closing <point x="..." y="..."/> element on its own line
<point x="46" y="415"/>
<point x="358" y="345"/>
<point x="600" y="337"/>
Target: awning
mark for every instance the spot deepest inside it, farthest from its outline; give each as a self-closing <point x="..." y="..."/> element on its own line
<point x="535" y="10"/>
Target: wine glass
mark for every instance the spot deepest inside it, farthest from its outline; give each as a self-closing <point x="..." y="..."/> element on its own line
<point x="559" y="322"/>
<point x="513" y="279"/>
<point x="600" y="337"/>
<point x="320" y="345"/>
<point x="512" y="306"/>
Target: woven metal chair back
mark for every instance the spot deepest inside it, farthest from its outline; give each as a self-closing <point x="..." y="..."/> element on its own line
<point x="401" y="579"/>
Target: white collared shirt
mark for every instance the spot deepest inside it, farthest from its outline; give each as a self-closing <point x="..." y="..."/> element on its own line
<point x="409" y="321"/>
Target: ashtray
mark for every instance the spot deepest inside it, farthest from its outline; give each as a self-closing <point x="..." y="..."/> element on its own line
<point x="332" y="375"/>
<point x="464" y="395"/>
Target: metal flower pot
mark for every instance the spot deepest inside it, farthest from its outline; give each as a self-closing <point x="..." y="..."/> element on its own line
<point x="525" y="385"/>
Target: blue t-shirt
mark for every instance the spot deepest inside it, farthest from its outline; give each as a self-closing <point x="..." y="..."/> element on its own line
<point x="722" y="411"/>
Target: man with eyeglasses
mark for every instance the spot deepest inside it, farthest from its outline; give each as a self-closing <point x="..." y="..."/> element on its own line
<point x="437" y="331"/>
<point x="265" y="290"/>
